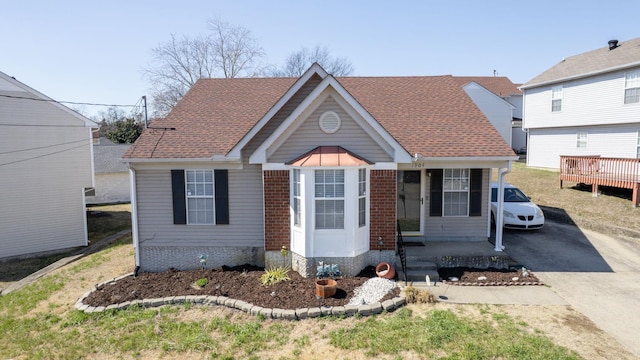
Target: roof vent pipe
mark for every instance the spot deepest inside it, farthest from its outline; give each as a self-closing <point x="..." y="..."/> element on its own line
<point x="613" y="44"/>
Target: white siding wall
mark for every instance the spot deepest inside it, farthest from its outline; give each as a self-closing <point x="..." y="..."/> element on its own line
<point x="546" y="145"/>
<point x="111" y="188"/>
<point x="464" y="228"/>
<point x="496" y="110"/>
<point x="155" y="211"/>
<point x="350" y="136"/>
<point x="516" y="101"/>
<point x="42" y="190"/>
<point x="594" y="101"/>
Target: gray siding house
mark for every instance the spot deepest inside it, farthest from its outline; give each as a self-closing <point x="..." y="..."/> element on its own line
<point x="46" y="164"/>
<point x="325" y="167"/>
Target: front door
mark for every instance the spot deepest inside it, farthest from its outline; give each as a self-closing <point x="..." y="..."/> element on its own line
<point x="410" y="201"/>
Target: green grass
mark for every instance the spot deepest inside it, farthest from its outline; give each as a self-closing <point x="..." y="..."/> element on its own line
<point x="444" y="332"/>
<point x="612" y="207"/>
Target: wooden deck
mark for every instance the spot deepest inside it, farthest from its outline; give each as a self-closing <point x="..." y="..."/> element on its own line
<point x="595" y="170"/>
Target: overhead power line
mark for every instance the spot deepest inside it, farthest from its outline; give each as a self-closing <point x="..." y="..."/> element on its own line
<point x="67" y="102"/>
<point x="41" y="156"/>
<point x="42" y="147"/>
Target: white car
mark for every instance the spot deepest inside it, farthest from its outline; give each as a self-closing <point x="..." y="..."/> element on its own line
<point x="519" y="212"/>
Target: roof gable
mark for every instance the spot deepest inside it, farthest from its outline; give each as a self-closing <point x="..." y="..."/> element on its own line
<point x="499" y="85"/>
<point x="9" y="84"/>
<point x="590" y="63"/>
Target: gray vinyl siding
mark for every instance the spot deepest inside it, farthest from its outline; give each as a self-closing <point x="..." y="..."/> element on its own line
<point x="280" y="116"/>
<point x="495" y="109"/>
<point x="597" y="100"/>
<point x="42" y="189"/>
<point x="155" y="212"/>
<point x="350" y="136"/>
<point x="546" y="145"/>
<point x="463" y="227"/>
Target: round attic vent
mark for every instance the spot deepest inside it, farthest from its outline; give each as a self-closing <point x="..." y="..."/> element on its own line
<point x="329" y="122"/>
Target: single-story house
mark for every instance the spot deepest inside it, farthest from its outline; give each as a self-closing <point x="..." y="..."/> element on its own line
<point x="46" y="164"/>
<point x="111" y="174"/>
<point x="323" y="166"/>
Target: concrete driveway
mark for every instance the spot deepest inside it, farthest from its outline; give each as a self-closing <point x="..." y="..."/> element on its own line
<point x="596" y="274"/>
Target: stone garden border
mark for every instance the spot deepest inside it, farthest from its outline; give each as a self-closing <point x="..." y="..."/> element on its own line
<point x="270" y="313"/>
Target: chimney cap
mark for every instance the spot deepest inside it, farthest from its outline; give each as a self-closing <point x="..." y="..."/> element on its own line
<point x="613" y="44"/>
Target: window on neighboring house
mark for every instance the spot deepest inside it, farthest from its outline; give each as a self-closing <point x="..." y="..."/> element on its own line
<point x="296" y="197"/>
<point x="556" y="98"/>
<point x="329" y="194"/>
<point x="456" y="192"/>
<point x="632" y="87"/>
<point x="581" y="139"/>
<point x="362" y="197"/>
<point x="200" y="196"/>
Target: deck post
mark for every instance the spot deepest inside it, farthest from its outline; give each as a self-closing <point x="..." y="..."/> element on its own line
<point x="635" y="200"/>
<point x="594" y="190"/>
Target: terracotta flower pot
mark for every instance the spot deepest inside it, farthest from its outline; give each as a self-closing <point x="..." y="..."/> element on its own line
<point x="326" y="288"/>
<point x="385" y="270"/>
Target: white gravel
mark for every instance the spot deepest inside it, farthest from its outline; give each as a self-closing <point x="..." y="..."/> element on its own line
<point x="372" y="291"/>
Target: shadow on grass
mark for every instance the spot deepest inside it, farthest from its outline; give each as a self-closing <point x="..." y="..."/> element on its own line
<point x="626" y="194"/>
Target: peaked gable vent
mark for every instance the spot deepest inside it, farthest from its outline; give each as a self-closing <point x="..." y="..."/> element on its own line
<point x="329" y="122"/>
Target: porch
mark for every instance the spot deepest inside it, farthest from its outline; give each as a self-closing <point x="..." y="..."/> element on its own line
<point x="596" y="170"/>
<point x="422" y="259"/>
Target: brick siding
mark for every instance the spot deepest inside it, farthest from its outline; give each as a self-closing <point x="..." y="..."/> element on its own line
<point x="382" y="209"/>
<point x="276" y="210"/>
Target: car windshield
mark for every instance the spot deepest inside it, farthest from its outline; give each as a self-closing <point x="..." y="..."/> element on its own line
<point x="510" y="195"/>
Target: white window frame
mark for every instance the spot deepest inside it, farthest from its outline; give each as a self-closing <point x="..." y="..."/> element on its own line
<point x="362" y="197"/>
<point x="632" y="87"/>
<point x="455" y="181"/>
<point x="638" y="146"/>
<point x="297" y="199"/>
<point x="556" y="98"/>
<point x="335" y="196"/>
<point x="582" y="139"/>
<point x="199" y="189"/>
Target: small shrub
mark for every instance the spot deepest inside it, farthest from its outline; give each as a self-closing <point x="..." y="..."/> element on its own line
<point x="275" y="275"/>
<point x="202" y="282"/>
<point x="417" y="296"/>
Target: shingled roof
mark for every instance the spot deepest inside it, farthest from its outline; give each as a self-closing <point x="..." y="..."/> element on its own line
<point x="499" y="85"/>
<point x="626" y="54"/>
<point x="429" y="115"/>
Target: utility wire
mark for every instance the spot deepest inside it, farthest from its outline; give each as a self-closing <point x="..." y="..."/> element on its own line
<point x="45" y="125"/>
<point x="41" y="156"/>
<point x="42" y="147"/>
<point x="65" y="102"/>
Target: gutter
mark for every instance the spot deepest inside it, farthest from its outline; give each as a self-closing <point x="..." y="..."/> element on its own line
<point x="500" y="215"/>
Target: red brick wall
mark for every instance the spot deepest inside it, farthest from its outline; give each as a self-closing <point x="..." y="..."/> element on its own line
<point x="276" y="209"/>
<point x="383" y="209"/>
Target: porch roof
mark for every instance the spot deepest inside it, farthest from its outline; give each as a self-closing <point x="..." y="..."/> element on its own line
<point x="329" y="156"/>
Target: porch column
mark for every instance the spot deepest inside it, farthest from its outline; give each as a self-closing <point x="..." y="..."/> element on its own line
<point x="382" y="210"/>
<point x="276" y="210"/>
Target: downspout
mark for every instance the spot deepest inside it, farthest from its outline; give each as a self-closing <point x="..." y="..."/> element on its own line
<point x="134" y="217"/>
<point x="500" y="215"/>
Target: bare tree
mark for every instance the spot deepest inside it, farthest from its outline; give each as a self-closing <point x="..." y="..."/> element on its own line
<point x="298" y="62"/>
<point x="227" y="51"/>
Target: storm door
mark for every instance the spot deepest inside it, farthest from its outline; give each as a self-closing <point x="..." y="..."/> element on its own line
<point x="410" y="201"/>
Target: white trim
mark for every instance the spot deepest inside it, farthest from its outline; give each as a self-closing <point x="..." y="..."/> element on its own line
<point x="134" y="215"/>
<point x="216" y="158"/>
<point x="84" y="215"/>
<point x="315" y="69"/>
<point x="185" y="165"/>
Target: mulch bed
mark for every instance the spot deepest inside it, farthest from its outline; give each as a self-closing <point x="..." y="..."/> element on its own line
<point x="240" y="283"/>
<point x="493" y="277"/>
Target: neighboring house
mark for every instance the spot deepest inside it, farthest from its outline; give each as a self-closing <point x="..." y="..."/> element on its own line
<point x="588" y="104"/>
<point x="323" y="166"/>
<point x="509" y="126"/>
<point x="111" y="174"/>
<point x="46" y="164"/>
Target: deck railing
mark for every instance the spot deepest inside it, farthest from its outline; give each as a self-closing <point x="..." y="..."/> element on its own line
<point x="596" y="170"/>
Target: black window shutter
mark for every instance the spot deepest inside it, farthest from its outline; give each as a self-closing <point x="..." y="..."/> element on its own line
<point x="435" y="206"/>
<point x="221" y="181"/>
<point x="179" y="200"/>
<point x="475" y="196"/>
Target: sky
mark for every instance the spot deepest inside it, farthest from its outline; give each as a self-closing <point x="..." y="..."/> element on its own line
<point x="94" y="51"/>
